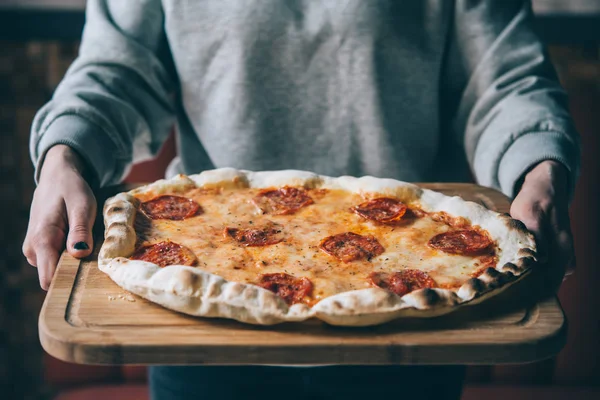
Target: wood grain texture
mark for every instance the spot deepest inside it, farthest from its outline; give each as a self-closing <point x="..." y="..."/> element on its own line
<point x="86" y="318"/>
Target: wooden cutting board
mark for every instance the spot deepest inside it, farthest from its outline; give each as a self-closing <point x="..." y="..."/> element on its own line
<point x="86" y="318"/>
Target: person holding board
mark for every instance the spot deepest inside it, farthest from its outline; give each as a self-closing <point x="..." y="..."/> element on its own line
<point x="413" y="90"/>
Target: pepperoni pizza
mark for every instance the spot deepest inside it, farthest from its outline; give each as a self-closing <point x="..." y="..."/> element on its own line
<point x="269" y="247"/>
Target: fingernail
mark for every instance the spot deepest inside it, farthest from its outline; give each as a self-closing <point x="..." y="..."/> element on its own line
<point x="81" y="246"/>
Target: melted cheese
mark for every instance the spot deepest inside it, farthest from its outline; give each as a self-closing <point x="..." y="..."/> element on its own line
<point x="298" y="254"/>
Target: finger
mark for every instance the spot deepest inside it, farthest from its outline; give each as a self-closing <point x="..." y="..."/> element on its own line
<point x="28" y="248"/>
<point x="560" y="227"/>
<point x="81" y="220"/>
<point x="565" y="251"/>
<point x="32" y="261"/>
<point x="47" y="260"/>
<point x="47" y="243"/>
<point x="29" y="252"/>
<point x="45" y="235"/>
<point x="561" y="252"/>
<point x="541" y="240"/>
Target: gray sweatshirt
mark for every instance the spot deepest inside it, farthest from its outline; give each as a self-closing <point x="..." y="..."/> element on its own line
<point x="417" y="90"/>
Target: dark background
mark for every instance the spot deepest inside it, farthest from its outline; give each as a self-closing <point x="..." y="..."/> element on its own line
<point x="37" y="44"/>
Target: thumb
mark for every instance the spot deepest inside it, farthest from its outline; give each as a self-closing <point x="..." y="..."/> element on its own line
<point x="81" y="220"/>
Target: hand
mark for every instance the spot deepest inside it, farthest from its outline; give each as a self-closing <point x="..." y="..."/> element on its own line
<point x="63" y="211"/>
<point x="542" y="205"/>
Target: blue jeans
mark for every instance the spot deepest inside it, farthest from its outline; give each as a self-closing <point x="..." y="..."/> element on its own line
<point x="289" y="383"/>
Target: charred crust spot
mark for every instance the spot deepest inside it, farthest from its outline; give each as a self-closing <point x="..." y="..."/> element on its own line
<point x="213" y="290"/>
<point x="194" y="278"/>
<point x="526" y="252"/>
<point x="494" y="278"/>
<point x="475" y="285"/>
<point x="134" y="200"/>
<point x="188" y="278"/>
<point x="428" y="296"/>
<point x="110" y="240"/>
<point x="526" y="262"/>
<point x="249" y="293"/>
<point x="236" y="289"/>
<point x="313" y="183"/>
<point x="119" y="225"/>
<point x="511" y="268"/>
<point x="492" y="272"/>
<point x="517" y="225"/>
<point x="115" y="209"/>
<point x="241" y="181"/>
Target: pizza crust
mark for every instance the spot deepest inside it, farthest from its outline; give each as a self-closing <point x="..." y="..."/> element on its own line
<point x="195" y="292"/>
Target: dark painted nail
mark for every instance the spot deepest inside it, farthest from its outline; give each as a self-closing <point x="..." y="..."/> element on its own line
<point x="81" y="246"/>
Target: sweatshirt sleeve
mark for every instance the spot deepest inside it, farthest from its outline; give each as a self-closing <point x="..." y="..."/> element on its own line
<point x="512" y="112"/>
<point x="115" y="104"/>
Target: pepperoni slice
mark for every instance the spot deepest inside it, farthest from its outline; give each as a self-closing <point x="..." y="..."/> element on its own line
<point x="383" y="210"/>
<point x="291" y="289"/>
<point x="351" y="246"/>
<point x="286" y="200"/>
<point x="402" y="282"/>
<point x="260" y="236"/>
<point x="171" y="207"/>
<point x="166" y="253"/>
<point x="464" y="241"/>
